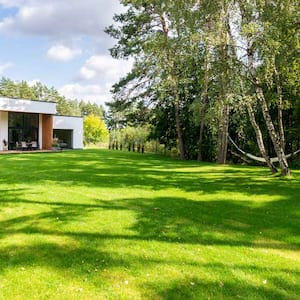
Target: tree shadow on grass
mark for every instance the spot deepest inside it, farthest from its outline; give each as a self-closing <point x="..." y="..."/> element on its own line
<point x="179" y="220"/>
<point x="122" y="170"/>
<point x="195" y="289"/>
<point x="229" y="223"/>
<point x="176" y="221"/>
<point x="92" y="264"/>
<point x="170" y="220"/>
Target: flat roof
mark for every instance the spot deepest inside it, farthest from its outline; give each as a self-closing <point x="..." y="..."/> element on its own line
<point x="27" y="106"/>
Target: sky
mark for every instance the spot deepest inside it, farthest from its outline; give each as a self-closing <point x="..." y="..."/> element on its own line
<point x="61" y="44"/>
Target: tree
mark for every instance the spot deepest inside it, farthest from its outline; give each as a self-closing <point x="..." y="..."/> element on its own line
<point x="95" y="130"/>
<point x="263" y="50"/>
<point x="198" y="63"/>
<point x="88" y="108"/>
<point x="147" y="32"/>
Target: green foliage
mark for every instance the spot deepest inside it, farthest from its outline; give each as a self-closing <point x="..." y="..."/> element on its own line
<point x="95" y="130"/>
<point x="133" y="138"/>
<point x="88" y="108"/>
<point x="191" y="63"/>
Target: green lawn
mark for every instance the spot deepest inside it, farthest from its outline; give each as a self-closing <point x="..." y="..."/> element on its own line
<point x="96" y="224"/>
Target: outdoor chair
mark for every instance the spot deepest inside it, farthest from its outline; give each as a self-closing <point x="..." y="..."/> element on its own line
<point x="18" y="146"/>
<point x="34" y="145"/>
<point x="23" y="145"/>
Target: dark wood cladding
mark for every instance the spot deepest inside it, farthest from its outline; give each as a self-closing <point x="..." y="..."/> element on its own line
<point x="47" y="131"/>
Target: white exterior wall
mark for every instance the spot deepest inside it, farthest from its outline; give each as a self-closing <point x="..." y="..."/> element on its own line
<point x="3" y="127"/>
<point x="71" y="123"/>
<point x="27" y="106"/>
<point x="40" y="131"/>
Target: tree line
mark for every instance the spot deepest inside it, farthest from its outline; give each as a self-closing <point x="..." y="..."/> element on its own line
<point x="206" y="70"/>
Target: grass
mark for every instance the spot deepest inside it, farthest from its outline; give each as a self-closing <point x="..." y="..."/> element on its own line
<point x="96" y="224"/>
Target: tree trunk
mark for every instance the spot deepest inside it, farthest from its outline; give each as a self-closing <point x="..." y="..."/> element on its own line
<point x="179" y="128"/>
<point x="222" y="142"/>
<point x="204" y="95"/>
<point x="280" y="110"/>
<point x="258" y="133"/>
<point x="285" y="171"/>
<point x="259" y="139"/>
<point x="200" y="150"/>
<point x="174" y="85"/>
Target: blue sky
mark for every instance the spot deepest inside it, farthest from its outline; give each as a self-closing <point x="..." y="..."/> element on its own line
<point x="61" y="44"/>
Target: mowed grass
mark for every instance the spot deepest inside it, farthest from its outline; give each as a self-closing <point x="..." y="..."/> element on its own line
<point x="99" y="224"/>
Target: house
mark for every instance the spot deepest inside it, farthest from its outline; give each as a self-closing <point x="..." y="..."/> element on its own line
<point x="36" y="121"/>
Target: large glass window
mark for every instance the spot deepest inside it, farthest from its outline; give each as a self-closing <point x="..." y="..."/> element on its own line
<point x="22" y="127"/>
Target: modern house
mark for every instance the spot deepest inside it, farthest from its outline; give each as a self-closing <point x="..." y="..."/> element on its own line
<point x="35" y="122"/>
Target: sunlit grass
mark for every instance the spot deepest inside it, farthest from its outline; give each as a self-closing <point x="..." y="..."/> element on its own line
<point x="100" y="224"/>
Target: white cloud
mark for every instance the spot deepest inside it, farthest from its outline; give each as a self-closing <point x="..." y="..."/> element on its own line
<point x="93" y="93"/>
<point x="4" y="67"/>
<point x="68" y="26"/>
<point x="62" y="53"/>
<point x="56" y="18"/>
<point x="102" y="67"/>
<point x="11" y="3"/>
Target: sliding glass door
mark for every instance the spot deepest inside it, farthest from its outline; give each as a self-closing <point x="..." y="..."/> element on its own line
<point x="22" y="127"/>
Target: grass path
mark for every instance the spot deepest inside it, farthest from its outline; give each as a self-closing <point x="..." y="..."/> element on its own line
<point x="96" y="224"/>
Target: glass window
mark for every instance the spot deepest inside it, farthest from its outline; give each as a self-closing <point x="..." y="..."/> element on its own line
<point x="15" y="120"/>
<point x="22" y="127"/>
<point x="31" y="120"/>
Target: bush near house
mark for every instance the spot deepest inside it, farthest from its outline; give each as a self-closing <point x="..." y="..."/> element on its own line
<point x="95" y="130"/>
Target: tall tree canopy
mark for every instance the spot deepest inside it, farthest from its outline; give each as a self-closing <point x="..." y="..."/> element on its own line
<point x="206" y="69"/>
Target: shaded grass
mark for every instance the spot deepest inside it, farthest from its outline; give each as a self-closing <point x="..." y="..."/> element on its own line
<point x="113" y="225"/>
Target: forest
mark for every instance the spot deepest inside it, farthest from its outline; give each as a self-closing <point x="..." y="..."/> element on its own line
<point x="215" y="80"/>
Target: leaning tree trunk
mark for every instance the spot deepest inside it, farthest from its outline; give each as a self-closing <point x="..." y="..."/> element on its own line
<point x="285" y="170"/>
<point x="279" y="150"/>
<point x="259" y="139"/>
